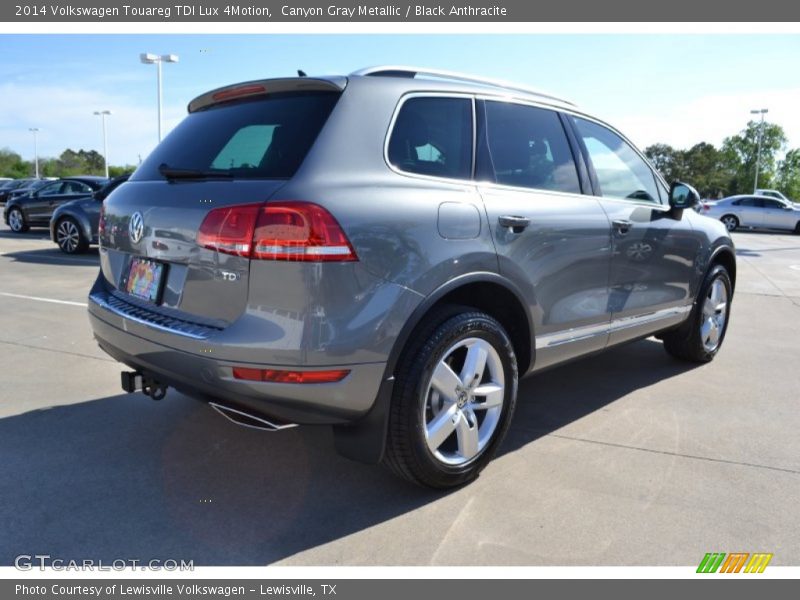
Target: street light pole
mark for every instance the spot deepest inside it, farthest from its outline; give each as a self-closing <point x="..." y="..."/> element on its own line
<point x="35" y="130"/>
<point x="762" y="112"/>
<point x="102" y="114"/>
<point x="155" y="59"/>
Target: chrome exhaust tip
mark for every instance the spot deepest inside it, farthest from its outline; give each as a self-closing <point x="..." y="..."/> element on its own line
<point x="247" y="420"/>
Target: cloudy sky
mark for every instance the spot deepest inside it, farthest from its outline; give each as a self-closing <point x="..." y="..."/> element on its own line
<point x="655" y="88"/>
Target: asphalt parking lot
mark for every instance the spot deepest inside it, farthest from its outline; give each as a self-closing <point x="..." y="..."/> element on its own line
<point x="628" y="458"/>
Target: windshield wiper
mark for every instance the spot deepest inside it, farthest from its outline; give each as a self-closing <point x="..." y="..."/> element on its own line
<point x="177" y="173"/>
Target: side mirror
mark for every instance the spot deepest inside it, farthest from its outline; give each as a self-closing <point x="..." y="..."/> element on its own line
<point x="682" y="195"/>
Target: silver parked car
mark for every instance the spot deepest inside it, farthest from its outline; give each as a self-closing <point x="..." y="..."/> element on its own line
<point x="758" y="212"/>
<point x="389" y="252"/>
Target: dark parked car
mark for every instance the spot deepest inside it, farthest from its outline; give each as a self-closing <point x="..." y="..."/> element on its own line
<point x="388" y="252"/>
<point x="73" y="225"/>
<point x="8" y="187"/>
<point x="35" y="207"/>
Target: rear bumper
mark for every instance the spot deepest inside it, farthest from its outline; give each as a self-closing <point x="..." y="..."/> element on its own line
<point x="209" y="379"/>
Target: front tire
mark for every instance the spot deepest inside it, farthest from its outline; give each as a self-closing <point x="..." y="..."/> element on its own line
<point x="16" y="221"/>
<point x="700" y="338"/>
<point x="454" y="396"/>
<point x="69" y="237"/>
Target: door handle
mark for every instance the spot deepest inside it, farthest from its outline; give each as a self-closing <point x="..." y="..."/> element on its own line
<point x="516" y="224"/>
<point x="622" y="226"/>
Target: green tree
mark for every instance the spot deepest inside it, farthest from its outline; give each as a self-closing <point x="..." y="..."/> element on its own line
<point x="667" y="160"/>
<point x="705" y="168"/>
<point x="739" y="156"/>
<point x="12" y="165"/>
<point x="788" y="177"/>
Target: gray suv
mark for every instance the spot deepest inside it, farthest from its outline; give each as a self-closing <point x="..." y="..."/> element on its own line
<point x="389" y="252"/>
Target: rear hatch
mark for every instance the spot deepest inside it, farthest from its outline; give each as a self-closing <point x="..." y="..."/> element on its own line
<point x="238" y="146"/>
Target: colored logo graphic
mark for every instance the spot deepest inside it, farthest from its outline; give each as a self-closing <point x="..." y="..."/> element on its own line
<point x="735" y="562"/>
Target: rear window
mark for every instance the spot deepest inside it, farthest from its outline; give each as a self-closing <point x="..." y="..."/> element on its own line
<point x="265" y="138"/>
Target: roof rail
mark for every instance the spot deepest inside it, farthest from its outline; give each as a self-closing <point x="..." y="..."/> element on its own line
<point x="412" y="72"/>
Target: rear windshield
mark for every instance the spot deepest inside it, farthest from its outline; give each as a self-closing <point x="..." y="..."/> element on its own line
<point x="267" y="138"/>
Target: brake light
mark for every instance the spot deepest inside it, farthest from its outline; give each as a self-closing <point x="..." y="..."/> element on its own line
<point x="277" y="376"/>
<point x="706" y="207"/>
<point x="239" y="92"/>
<point x="300" y="231"/>
<point x="229" y="229"/>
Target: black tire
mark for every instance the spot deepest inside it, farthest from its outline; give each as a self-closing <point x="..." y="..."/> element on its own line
<point x="408" y="454"/>
<point x="731" y="222"/>
<point x="687" y="342"/>
<point x="70" y="237"/>
<point x="797" y="228"/>
<point x="16" y="221"/>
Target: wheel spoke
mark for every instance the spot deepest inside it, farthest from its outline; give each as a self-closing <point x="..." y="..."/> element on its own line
<point x="438" y="430"/>
<point x="713" y="334"/>
<point x="474" y="364"/>
<point x="493" y="394"/>
<point x="467" y="434"/>
<point x="705" y="331"/>
<point x="445" y="381"/>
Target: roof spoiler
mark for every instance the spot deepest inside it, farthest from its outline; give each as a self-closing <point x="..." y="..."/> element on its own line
<point x="263" y="87"/>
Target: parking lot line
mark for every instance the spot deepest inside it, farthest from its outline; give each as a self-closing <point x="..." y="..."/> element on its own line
<point x="38" y="299"/>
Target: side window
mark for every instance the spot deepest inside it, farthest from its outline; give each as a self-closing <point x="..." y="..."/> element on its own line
<point x="773" y="204"/>
<point x="528" y="148"/>
<point x="433" y="136"/>
<point x="52" y="189"/>
<point x="621" y="172"/>
<point x="76" y="187"/>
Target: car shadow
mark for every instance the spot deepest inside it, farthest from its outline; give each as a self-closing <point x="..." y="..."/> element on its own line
<point x="124" y="477"/>
<point x="33" y="234"/>
<point x="54" y="256"/>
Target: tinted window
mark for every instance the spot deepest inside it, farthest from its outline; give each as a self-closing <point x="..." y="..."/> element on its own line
<point x="52" y="189"/>
<point x="757" y="202"/>
<point x="433" y="136"/>
<point x="773" y="204"/>
<point x="265" y="138"/>
<point x="76" y="187"/>
<point x="528" y="148"/>
<point x="621" y="172"/>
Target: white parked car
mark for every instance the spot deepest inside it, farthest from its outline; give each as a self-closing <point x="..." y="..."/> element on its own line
<point x="773" y="194"/>
<point x="758" y="212"/>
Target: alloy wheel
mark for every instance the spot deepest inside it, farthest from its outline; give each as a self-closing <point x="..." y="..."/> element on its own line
<point x="15" y="220"/>
<point x="68" y="236"/>
<point x="463" y="401"/>
<point x="715" y="313"/>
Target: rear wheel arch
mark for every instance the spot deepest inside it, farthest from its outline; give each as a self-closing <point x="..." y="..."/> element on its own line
<point x="488" y="292"/>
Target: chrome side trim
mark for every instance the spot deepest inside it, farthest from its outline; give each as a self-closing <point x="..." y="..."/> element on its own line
<point x="589" y="331"/>
<point x="156" y="321"/>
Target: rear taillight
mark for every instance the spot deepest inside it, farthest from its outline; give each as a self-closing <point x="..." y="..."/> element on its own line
<point x="706" y="207"/>
<point x="278" y="376"/>
<point x="295" y="231"/>
<point x="299" y="231"/>
<point x="229" y="229"/>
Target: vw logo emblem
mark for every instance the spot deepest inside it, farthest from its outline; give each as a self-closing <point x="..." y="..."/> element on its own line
<point x="136" y="227"/>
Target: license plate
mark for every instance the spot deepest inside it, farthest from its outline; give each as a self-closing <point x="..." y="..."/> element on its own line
<point x="144" y="279"/>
